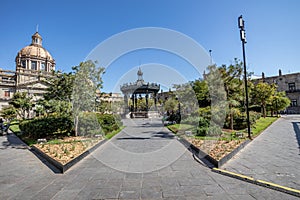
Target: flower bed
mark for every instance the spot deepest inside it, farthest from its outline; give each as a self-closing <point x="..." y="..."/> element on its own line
<point x="68" y="148"/>
<point x="217" y="149"/>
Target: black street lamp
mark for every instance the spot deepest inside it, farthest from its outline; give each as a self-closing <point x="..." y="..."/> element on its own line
<point x="243" y="39"/>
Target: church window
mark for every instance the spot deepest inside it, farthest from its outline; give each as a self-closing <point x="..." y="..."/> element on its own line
<point x="33" y="65"/>
<point x="43" y="67"/>
<point x="23" y="63"/>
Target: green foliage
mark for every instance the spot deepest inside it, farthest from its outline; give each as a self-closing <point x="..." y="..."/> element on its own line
<point x="109" y="122"/>
<point x="113" y="133"/>
<point x="61" y="87"/>
<point x="87" y="81"/>
<point x="171" y="104"/>
<point x="22" y="104"/>
<point x="240" y="120"/>
<point x="53" y="106"/>
<point x="278" y="102"/>
<point x="185" y="95"/>
<point x="262" y="94"/>
<point x="8" y="113"/>
<point x="193" y="120"/>
<point x="88" y="124"/>
<point x="202" y="128"/>
<point x="201" y="91"/>
<point x="48" y="126"/>
<point x="214" y="131"/>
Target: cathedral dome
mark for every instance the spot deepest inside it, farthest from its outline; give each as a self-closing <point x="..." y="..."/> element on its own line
<point x="35" y="52"/>
<point x="35" y="56"/>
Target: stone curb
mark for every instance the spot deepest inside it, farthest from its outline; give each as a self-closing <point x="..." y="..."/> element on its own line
<point x="63" y="168"/>
<point x="201" y="154"/>
<point x="266" y="184"/>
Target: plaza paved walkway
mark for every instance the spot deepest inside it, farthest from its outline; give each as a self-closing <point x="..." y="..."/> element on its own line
<point x="274" y="156"/>
<point x="144" y="161"/>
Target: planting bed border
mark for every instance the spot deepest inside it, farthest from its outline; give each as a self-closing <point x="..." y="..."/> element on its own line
<point x="201" y="154"/>
<point x="63" y="168"/>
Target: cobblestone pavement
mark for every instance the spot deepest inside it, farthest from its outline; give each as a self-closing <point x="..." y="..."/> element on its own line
<point x="108" y="173"/>
<point x="274" y="156"/>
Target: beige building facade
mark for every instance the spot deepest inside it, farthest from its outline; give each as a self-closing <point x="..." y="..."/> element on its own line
<point x="289" y="83"/>
<point x="34" y="65"/>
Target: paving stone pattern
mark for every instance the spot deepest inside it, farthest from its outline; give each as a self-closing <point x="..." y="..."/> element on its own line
<point x="108" y="173"/>
<point x="274" y="156"/>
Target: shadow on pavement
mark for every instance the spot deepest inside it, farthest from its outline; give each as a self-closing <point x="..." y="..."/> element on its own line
<point x="163" y="135"/>
<point x="13" y="142"/>
<point x="133" y="138"/>
<point x="297" y="132"/>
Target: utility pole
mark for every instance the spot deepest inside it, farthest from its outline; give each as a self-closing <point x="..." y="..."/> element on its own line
<point x="243" y="39"/>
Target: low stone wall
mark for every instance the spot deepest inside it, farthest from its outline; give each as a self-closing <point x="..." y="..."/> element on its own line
<point x="202" y="155"/>
<point x="63" y="168"/>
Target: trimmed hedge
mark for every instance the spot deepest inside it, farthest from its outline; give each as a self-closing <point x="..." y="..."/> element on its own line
<point x="43" y="127"/>
<point x="89" y="124"/>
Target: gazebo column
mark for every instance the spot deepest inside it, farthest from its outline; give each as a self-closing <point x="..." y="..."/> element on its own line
<point x="155" y="99"/>
<point x="147" y="107"/>
<point x="135" y="100"/>
<point x="132" y="98"/>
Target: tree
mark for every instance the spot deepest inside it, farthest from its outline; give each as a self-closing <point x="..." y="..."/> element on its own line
<point x="22" y="103"/>
<point x="217" y="93"/>
<point x="262" y="94"/>
<point x="278" y="102"/>
<point x="87" y="81"/>
<point x="233" y="84"/>
<point x="185" y="95"/>
<point x="61" y="87"/>
<point x="201" y="91"/>
<point x="171" y="104"/>
<point x="8" y="113"/>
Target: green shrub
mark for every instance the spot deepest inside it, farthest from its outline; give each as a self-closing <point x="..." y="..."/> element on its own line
<point x="193" y="120"/>
<point x="88" y="124"/>
<point x="109" y="122"/>
<point x="240" y="121"/>
<point x="214" y="131"/>
<point x="43" y="127"/>
<point x="201" y="131"/>
<point x="202" y="128"/>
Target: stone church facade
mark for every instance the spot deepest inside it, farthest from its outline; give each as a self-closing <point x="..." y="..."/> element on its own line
<point x="290" y="84"/>
<point x="34" y="65"/>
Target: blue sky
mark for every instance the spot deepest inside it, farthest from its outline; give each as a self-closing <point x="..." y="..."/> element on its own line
<point x="72" y="29"/>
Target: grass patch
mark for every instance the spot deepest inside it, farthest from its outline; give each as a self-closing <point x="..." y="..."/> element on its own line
<point x="180" y="127"/>
<point x="113" y="133"/>
<point x="261" y="124"/>
<point x="14" y="127"/>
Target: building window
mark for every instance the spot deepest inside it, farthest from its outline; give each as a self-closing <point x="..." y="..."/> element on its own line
<point x="6" y="93"/>
<point x="33" y="65"/>
<point x="43" y="67"/>
<point x="23" y="63"/>
<point x="292" y="86"/>
<point x="294" y="103"/>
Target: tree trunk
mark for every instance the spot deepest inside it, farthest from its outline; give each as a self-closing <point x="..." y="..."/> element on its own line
<point x="264" y="112"/>
<point x="76" y="125"/>
<point x="231" y="120"/>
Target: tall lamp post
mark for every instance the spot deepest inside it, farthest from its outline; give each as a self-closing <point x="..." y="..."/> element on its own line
<point x="243" y="39"/>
